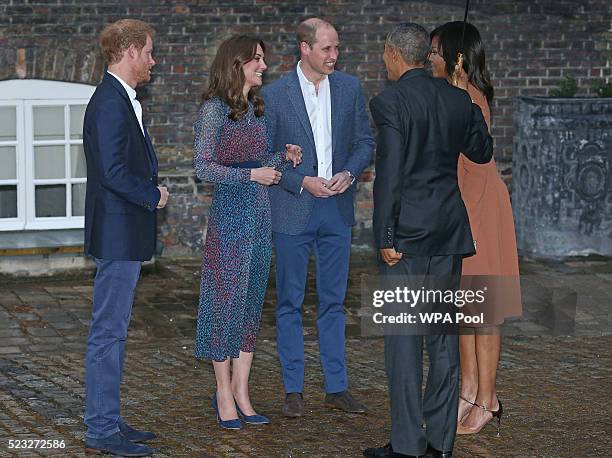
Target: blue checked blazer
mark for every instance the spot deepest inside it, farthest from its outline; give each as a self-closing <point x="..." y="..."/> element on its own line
<point x="287" y="122"/>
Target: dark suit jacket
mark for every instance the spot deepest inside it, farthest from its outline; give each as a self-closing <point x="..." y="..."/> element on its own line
<point x="287" y="122"/>
<point x="122" y="194"/>
<point x="423" y="125"/>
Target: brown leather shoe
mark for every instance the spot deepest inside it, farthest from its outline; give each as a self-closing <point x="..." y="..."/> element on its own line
<point x="294" y="405"/>
<point x="344" y="401"/>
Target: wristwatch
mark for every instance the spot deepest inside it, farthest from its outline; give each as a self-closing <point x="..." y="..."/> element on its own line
<point x="352" y="177"/>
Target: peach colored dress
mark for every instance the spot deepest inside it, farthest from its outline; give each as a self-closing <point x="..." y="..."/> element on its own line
<point x="489" y="210"/>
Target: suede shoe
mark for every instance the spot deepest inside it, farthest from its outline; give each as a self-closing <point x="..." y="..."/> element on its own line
<point x="116" y="444"/>
<point x="252" y="419"/>
<point x="233" y="424"/>
<point x="386" y="452"/>
<point x="344" y="401"/>
<point x="294" y="405"/>
<point x="134" y="435"/>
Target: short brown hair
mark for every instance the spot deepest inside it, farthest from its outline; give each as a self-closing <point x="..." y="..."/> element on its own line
<point x="119" y="36"/>
<point x="307" y="30"/>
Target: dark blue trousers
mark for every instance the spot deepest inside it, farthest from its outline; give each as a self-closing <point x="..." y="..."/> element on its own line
<point x="330" y="238"/>
<point x="113" y="295"/>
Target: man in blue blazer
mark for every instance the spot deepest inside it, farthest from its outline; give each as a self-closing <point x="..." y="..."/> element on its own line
<point x="323" y="111"/>
<point x="120" y="226"/>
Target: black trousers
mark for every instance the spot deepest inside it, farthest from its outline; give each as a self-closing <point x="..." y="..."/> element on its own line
<point x="419" y="419"/>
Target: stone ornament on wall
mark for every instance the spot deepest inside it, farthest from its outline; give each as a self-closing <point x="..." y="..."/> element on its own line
<point x="562" y="196"/>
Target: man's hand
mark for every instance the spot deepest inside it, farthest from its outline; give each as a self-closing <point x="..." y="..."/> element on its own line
<point x="163" y="199"/>
<point x="390" y="256"/>
<point x="266" y="176"/>
<point x="294" y="154"/>
<point x="340" y="182"/>
<point x="317" y="186"/>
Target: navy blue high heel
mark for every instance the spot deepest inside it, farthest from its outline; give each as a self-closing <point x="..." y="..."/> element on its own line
<point x="253" y="419"/>
<point x="226" y="424"/>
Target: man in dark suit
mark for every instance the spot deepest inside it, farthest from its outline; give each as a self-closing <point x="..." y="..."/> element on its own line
<point x="421" y="228"/>
<point x="120" y="226"/>
<point x="323" y="111"/>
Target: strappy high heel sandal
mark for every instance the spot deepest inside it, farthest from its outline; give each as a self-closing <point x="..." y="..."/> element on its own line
<point x="467" y="411"/>
<point x="497" y="414"/>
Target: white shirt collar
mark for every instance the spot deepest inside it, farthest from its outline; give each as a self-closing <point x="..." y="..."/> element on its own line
<point x="131" y="92"/>
<point x="303" y="78"/>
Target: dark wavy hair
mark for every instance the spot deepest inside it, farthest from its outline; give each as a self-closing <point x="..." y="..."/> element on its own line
<point x="226" y="79"/>
<point x="474" y="62"/>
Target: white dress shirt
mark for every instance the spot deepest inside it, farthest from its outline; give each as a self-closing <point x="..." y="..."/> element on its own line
<point x="318" y="107"/>
<point x="131" y="92"/>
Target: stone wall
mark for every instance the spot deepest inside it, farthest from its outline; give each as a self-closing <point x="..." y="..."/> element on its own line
<point x="530" y="45"/>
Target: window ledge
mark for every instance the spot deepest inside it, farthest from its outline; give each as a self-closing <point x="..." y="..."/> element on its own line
<point x="16" y="243"/>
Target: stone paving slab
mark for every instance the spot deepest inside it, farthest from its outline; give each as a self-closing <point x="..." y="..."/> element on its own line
<point x="555" y="390"/>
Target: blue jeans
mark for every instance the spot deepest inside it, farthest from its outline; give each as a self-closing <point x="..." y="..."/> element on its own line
<point x="330" y="238"/>
<point x="113" y="295"/>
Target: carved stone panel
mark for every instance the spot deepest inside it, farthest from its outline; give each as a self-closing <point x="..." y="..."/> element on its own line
<point x="562" y="181"/>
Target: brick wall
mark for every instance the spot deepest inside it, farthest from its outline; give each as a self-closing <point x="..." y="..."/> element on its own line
<point x="530" y="45"/>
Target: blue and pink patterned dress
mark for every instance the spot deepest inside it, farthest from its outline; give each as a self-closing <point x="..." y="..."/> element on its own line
<point x="238" y="245"/>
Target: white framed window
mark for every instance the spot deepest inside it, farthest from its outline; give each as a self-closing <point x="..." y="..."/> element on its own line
<point x="42" y="163"/>
<point x="12" y="169"/>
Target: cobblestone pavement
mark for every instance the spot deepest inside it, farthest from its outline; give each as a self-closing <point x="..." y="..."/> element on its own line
<point x="556" y="390"/>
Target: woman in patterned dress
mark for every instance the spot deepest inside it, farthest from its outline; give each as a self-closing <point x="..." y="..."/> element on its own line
<point x="489" y="210"/>
<point x="231" y="150"/>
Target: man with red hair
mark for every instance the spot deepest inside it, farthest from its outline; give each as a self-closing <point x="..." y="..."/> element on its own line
<point x="120" y="226"/>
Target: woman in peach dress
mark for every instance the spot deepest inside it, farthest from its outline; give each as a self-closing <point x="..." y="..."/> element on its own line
<point x="490" y="213"/>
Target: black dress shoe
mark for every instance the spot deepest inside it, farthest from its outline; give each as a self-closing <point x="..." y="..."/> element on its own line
<point x="437" y="453"/>
<point x="386" y="452"/>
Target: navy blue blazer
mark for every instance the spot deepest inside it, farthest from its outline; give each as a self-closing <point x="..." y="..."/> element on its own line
<point x="287" y="122"/>
<point x="122" y="194"/>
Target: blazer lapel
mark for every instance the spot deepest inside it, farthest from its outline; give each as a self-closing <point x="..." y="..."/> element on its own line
<point x="117" y="85"/>
<point x="335" y="93"/>
<point x="294" y="94"/>
<point x="148" y="146"/>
